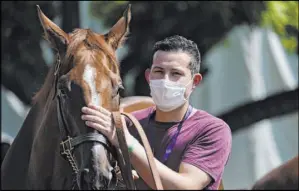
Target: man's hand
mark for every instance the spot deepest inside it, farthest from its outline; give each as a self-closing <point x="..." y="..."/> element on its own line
<point x="189" y="177"/>
<point x="101" y="119"/>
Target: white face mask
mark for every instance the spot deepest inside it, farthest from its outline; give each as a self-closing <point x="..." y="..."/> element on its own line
<point x="168" y="95"/>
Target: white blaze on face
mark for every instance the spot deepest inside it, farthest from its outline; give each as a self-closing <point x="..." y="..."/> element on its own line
<point x="89" y="77"/>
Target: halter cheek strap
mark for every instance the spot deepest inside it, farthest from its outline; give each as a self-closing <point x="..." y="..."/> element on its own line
<point x="70" y="143"/>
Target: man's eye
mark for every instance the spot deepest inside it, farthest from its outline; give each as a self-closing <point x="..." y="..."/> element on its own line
<point x="158" y="71"/>
<point x="176" y="73"/>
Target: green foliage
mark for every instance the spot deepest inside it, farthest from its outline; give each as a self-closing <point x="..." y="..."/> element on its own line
<point x="102" y="9"/>
<point x="280" y="15"/>
<point x="23" y="67"/>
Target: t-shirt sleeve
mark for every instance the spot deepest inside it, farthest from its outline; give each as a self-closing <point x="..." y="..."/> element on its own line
<point x="210" y="150"/>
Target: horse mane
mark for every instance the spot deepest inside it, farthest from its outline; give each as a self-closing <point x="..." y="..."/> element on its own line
<point x="91" y="43"/>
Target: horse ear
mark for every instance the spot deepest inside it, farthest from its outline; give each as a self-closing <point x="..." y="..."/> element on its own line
<point x="53" y="33"/>
<point x="117" y="34"/>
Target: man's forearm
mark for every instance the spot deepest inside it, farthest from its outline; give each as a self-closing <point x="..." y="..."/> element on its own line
<point x="170" y="179"/>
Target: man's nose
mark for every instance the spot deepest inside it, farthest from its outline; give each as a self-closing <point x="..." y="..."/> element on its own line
<point x="166" y="76"/>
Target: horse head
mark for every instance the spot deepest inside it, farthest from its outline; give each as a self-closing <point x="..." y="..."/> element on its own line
<point x="86" y="72"/>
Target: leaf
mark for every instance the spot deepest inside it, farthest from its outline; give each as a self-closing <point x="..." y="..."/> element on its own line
<point x="279" y="15"/>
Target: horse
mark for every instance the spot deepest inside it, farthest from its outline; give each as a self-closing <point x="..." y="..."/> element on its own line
<point x="86" y="71"/>
<point x="283" y="177"/>
<point x="54" y="149"/>
<point x="6" y="141"/>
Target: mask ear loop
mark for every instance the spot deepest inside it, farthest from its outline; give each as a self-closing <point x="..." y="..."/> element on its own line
<point x="190" y="81"/>
<point x="186" y="99"/>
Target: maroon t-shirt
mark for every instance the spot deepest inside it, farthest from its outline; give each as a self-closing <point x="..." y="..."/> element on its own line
<point x="204" y="141"/>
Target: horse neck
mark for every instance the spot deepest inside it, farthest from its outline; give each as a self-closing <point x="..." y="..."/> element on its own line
<point x="46" y="160"/>
<point x="14" y="171"/>
<point x="36" y="144"/>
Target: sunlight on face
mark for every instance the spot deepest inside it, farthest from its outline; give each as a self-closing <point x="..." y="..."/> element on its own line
<point x="173" y="66"/>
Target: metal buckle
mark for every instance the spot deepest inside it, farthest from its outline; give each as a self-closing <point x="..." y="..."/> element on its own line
<point x="68" y="140"/>
<point x="118" y="173"/>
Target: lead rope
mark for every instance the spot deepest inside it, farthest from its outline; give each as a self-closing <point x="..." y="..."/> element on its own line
<point x="74" y="182"/>
<point x="148" y="150"/>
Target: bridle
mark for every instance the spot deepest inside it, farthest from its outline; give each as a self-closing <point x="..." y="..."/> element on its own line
<point x="68" y="144"/>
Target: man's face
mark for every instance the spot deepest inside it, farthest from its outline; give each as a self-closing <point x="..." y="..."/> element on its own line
<point x="173" y="66"/>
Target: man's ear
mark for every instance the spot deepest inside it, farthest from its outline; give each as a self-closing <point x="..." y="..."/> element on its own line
<point x="54" y="34"/>
<point x="196" y="80"/>
<point x="117" y="34"/>
<point x="147" y="74"/>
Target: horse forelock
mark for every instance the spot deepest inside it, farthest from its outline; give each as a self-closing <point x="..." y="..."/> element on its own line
<point x="95" y="67"/>
<point x="91" y="43"/>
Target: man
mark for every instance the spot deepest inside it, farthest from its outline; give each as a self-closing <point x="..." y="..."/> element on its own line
<point x="191" y="147"/>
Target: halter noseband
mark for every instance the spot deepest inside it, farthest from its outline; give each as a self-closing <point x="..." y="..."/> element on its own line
<point x="68" y="143"/>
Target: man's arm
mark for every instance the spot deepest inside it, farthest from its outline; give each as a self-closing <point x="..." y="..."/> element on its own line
<point x="207" y="154"/>
<point x="189" y="176"/>
<point x="203" y="161"/>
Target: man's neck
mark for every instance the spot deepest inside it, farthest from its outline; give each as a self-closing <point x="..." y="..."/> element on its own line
<point x="172" y="116"/>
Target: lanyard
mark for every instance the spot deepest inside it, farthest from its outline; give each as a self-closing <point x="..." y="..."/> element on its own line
<point x="171" y="145"/>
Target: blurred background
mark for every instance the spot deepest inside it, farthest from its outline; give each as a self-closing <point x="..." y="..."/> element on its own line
<point x="249" y="66"/>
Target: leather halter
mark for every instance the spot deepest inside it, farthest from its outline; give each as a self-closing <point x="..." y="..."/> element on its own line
<point x="68" y="143"/>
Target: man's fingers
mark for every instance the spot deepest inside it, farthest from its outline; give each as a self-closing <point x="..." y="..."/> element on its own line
<point x="100" y="109"/>
<point x="98" y="127"/>
<point x="96" y="119"/>
<point x="90" y="111"/>
<point x="95" y="126"/>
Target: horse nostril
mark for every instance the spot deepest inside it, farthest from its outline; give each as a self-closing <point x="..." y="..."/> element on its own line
<point x="85" y="175"/>
<point x="84" y="178"/>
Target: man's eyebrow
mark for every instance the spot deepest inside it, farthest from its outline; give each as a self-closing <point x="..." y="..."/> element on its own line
<point x="178" y="69"/>
<point x="158" y="67"/>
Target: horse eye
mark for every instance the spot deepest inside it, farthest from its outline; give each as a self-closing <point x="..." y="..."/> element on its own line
<point x="63" y="85"/>
<point x="62" y="91"/>
<point x="118" y="89"/>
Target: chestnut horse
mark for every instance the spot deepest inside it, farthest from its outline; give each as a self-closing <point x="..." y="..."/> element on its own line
<point x="54" y="149"/>
<point x="283" y="177"/>
<point x="86" y="71"/>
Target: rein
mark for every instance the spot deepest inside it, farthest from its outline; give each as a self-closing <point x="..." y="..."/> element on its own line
<point x="126" y="164"/>
<point x="68" y="144"/>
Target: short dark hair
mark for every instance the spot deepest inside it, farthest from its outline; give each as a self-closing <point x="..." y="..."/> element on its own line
<point x="179" y="43"/>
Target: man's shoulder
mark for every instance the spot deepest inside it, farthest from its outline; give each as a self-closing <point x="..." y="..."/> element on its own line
<point x="210" y="141"/>
<point x="208" y="122"/>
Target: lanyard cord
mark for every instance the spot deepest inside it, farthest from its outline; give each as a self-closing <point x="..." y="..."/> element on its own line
<point x="171" y="145"/>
